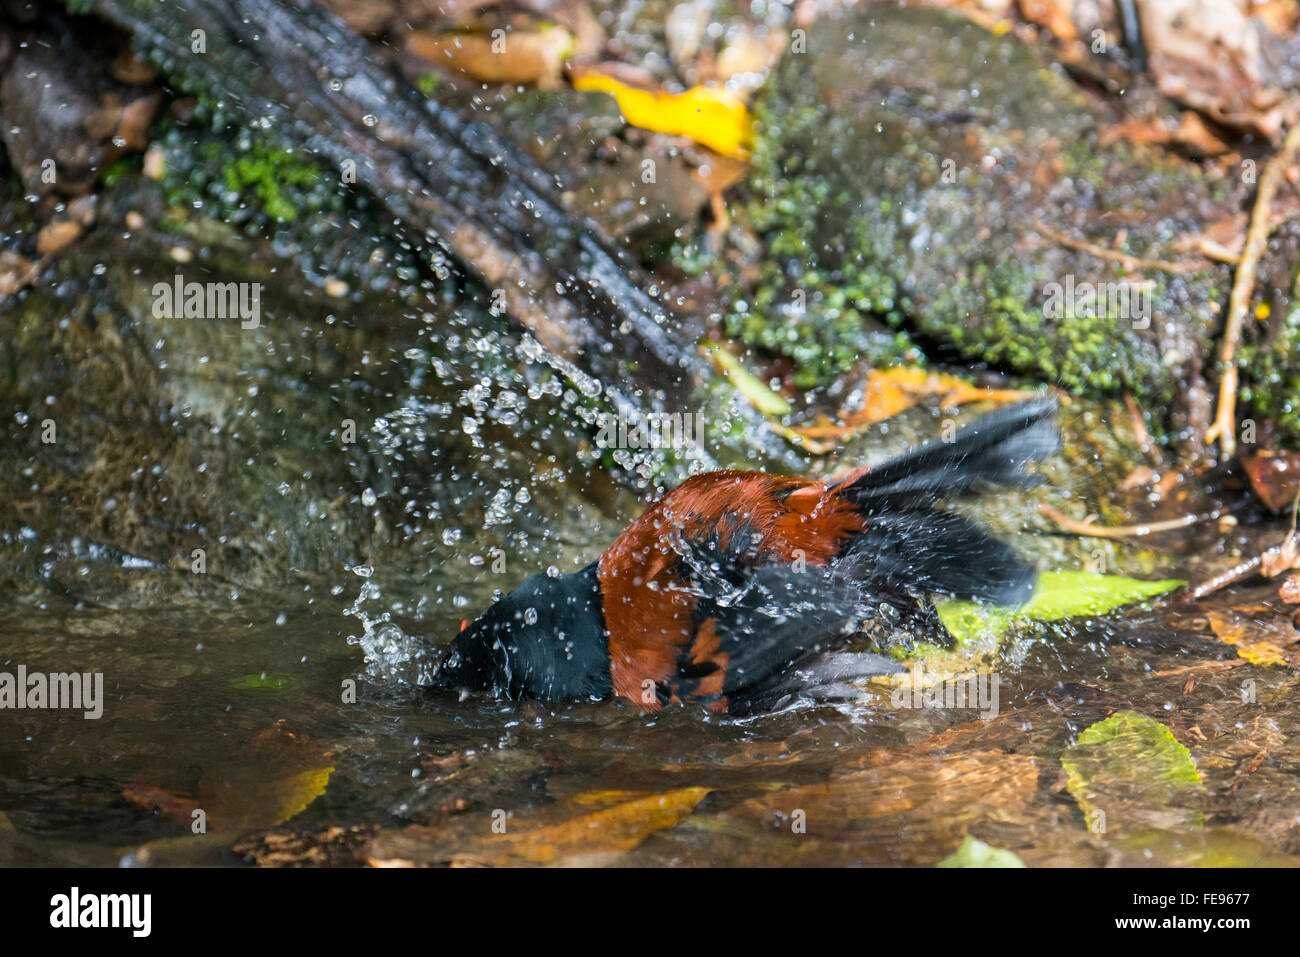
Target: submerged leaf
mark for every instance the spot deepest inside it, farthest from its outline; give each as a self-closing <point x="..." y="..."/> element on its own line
<point x="712" y="117"/>
<point x="272" y="681"/>
<point x="1058" y="595"/>
<point x="975" y="853"/>
<point x="1213" y="847"/>
<point x="1133" y="771"/>
<point x="594" y="826"/>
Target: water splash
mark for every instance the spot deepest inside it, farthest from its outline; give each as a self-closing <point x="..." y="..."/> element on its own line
<point x="391" y="655"/>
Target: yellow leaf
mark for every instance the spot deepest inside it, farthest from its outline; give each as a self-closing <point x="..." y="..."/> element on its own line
<point x="610" y="830"/>
<point x="746" y="383"/>
<point x="1257" y="642"/>
<point x="711" y="117"/>
<point x="591" y="827"/>
<point x="890" y="391"/>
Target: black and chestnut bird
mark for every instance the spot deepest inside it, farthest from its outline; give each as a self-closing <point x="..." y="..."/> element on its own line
<point x="739" y="590"/>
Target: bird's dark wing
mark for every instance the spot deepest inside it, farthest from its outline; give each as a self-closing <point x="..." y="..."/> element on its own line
<point x="759" y="626"/>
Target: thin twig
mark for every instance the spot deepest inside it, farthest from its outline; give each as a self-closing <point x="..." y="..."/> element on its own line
<point x="1266" y="563"/>
<point x="1122" y="531"/>
<point x="1224" y="429"/>
<point x="1131" y="263"/>
<point x="1224" y="579"/>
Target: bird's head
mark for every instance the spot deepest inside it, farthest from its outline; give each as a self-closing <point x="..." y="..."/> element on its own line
<point x="546" y="639"/>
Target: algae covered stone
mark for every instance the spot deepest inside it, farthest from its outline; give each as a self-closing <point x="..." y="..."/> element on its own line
<point x="916" y="171"/>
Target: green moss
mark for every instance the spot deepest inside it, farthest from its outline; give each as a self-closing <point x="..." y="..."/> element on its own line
<point x="1270" y="374"/>
<point x="243" y="179"/>
<point x="274" y="177"/>
<point x="428" y="83"/>
<point x="113" y="175"/>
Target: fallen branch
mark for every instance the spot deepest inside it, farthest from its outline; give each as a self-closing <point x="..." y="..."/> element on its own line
<point x="1224" y="429"/>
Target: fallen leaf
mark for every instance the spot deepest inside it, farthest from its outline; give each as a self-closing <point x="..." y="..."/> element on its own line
<point x="273" y="682"/>
<point x="55" y="236"/>
<point x="276" y="775"/>
<point x="1057" y="596"/>
<point x="911" y="809"/>
<point x="975" y="853"/>
<point x="1132" y="770"/>
<point x="888" y="392"/>
<point x="16" y="272"/>
<point x="1259" y="642"/>
<point x="516" y="58"/>
<point x="620" y="822"/>
<point x="1275" y="477"/>
<point x="1053" y="15"/>
<point x="711" y="117"/>
<point x="1212" y="847"/>
<point x="1285" y="557"/>
<point x="1191" y="132"/>
<point x="1208" y="55"/>
<point x="746" y="383"/>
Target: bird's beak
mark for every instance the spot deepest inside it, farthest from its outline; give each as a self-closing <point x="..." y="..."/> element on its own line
<point x="464" y="623"/>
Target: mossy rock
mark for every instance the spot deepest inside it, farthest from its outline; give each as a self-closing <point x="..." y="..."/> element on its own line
<point x="903" y="162"/>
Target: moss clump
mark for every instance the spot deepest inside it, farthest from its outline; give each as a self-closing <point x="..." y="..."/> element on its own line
<point x="244" y="179"/>
<point x="1270" y="374"/>
<point x="272" y="176"/>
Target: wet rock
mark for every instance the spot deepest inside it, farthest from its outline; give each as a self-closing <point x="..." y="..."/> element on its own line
<point x="187" y="451"/>
<point x="64" y="118"/>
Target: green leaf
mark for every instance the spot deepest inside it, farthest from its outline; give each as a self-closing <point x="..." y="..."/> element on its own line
<point x="1058" y="595"/>
<point x="748" y="384"/>
<point x="975" y="853"/>
<point x="1135" y="770"/>
<point x="273" y="682"/>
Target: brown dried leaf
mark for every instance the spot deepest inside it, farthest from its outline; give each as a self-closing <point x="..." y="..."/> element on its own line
<point x="620" y="821"/>
<point x="1052" y="15"/>
<point x="1207" y="54"/>
<point x="515" y="58"/>
<point x="890" y="391"/>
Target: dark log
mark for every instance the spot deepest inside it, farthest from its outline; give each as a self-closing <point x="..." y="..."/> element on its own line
<point x="450" y="180"/>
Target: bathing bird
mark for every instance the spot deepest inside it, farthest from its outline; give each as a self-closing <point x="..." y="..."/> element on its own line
<point x="740" y="591"/>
